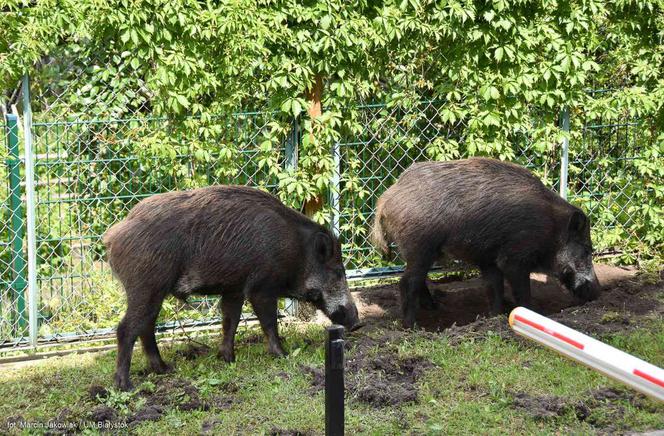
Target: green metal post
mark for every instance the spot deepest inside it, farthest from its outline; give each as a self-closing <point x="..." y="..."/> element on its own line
<point x="16" y="232"/>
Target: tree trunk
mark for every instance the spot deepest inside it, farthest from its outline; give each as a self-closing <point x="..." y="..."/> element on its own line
<point x="314" y="97"/>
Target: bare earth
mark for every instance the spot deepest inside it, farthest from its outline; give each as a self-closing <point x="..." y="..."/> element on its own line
<point x="463" y="302"/>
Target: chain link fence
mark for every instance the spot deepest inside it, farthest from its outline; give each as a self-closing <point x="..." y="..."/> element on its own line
<point x="89" y="168"/>
<point x="613" y="175"/>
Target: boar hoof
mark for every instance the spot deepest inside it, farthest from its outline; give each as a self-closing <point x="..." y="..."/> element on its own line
<point x="163" y="368"/>
<point x="227" y="355"/>
<point x="278" y="352"/>
<point x="123" y="383"/>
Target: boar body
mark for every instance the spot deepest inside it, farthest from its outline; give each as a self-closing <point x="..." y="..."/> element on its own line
<point x="492" y="214"/>
<point x="236" y="242"/>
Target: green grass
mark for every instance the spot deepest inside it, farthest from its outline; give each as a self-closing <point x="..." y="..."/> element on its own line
<point x="468" y="390"/>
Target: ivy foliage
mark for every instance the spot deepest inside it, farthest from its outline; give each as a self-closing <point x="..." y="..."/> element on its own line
<point x="500" y="72"/>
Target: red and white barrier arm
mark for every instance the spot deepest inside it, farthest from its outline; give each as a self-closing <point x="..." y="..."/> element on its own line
<point x="610" y="361"/>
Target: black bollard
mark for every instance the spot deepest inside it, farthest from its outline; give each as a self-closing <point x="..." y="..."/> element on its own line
<point x="334" y="381"/>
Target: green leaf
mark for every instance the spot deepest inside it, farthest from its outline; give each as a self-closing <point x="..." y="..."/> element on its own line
<point x="498" y="54"/>
<point x="325" y="22"/>
<point x="296" y="108"/>
<point x="182" y="100"/>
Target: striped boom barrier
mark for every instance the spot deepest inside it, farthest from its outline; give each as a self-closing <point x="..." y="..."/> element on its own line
<point x="634" y="372"/>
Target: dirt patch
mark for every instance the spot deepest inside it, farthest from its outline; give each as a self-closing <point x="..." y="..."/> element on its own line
<point x="387" y="380"/>
<point x="480" y="328"/>
<point x="103" y="413"/>
<point x="463" y="305"/>
<point x="209" y="426"/>
<point x="611" y="394"/>
<point x="548" y="406"/>
<point x="619" y="308"/>
<point x="166" y="394"/>
<point x="193" y="351"/>
<point x="221" y="402"/>
<point x="275" y="431"/>
<point x="609" y="402"/>
<point x="229" y="387"/>
<point x="380" y="380"/>
<point x="169" y="393"/>
<point x="147" y="413"/>
<point x="254" y="338"/>
<point x="97" y="392"/>
<point x="317" y="376"/>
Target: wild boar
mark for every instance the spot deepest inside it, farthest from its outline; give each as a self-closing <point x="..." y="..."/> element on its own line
<point x="492" y="214"/>
<point x="232" y="241"/>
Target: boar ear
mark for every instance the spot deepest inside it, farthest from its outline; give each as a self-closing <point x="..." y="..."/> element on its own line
<point x="577" y="223"/>
<point x="323" y="246"/>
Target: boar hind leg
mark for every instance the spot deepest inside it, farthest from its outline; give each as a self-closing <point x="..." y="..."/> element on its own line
<point x="265" y="307"/>
<point x="138" y="321"/>
<point x="493" y="279"/>
<point x="231" y="311"/>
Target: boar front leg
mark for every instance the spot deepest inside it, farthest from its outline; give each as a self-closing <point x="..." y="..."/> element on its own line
<point x="231" y="311"/>
<point x="412" y="286"/>
<point x="493" y="280"/>
<point x="519" y="280"/>
<point x="265" y="307"/>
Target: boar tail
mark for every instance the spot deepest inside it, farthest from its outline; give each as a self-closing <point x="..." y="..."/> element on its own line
<point x="109" y="237"/>
<point x="110" y="234"/>
<point x="378" y="236"/>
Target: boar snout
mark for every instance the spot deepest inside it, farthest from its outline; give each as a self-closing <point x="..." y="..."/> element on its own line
<point x="346" y="315"/>
<point x="587" y="289"/>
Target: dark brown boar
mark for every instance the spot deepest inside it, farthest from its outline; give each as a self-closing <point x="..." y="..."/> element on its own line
<point x="492" y="214"/>
<point x="236" y="242"/>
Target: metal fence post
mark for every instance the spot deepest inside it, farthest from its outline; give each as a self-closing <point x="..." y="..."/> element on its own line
<point x="334" y="381"/>
<point x="564" y="163"/>
<point x="335" y="188"/>
<point x="290" y="164"/>
<point x="292" y="144"/>
<point x="33" y="298"/>
<point x="16" y="230"/>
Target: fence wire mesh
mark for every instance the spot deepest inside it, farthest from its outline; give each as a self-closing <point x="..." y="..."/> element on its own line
<point x="92" y="166"/>
<point x="612" y="177"/>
